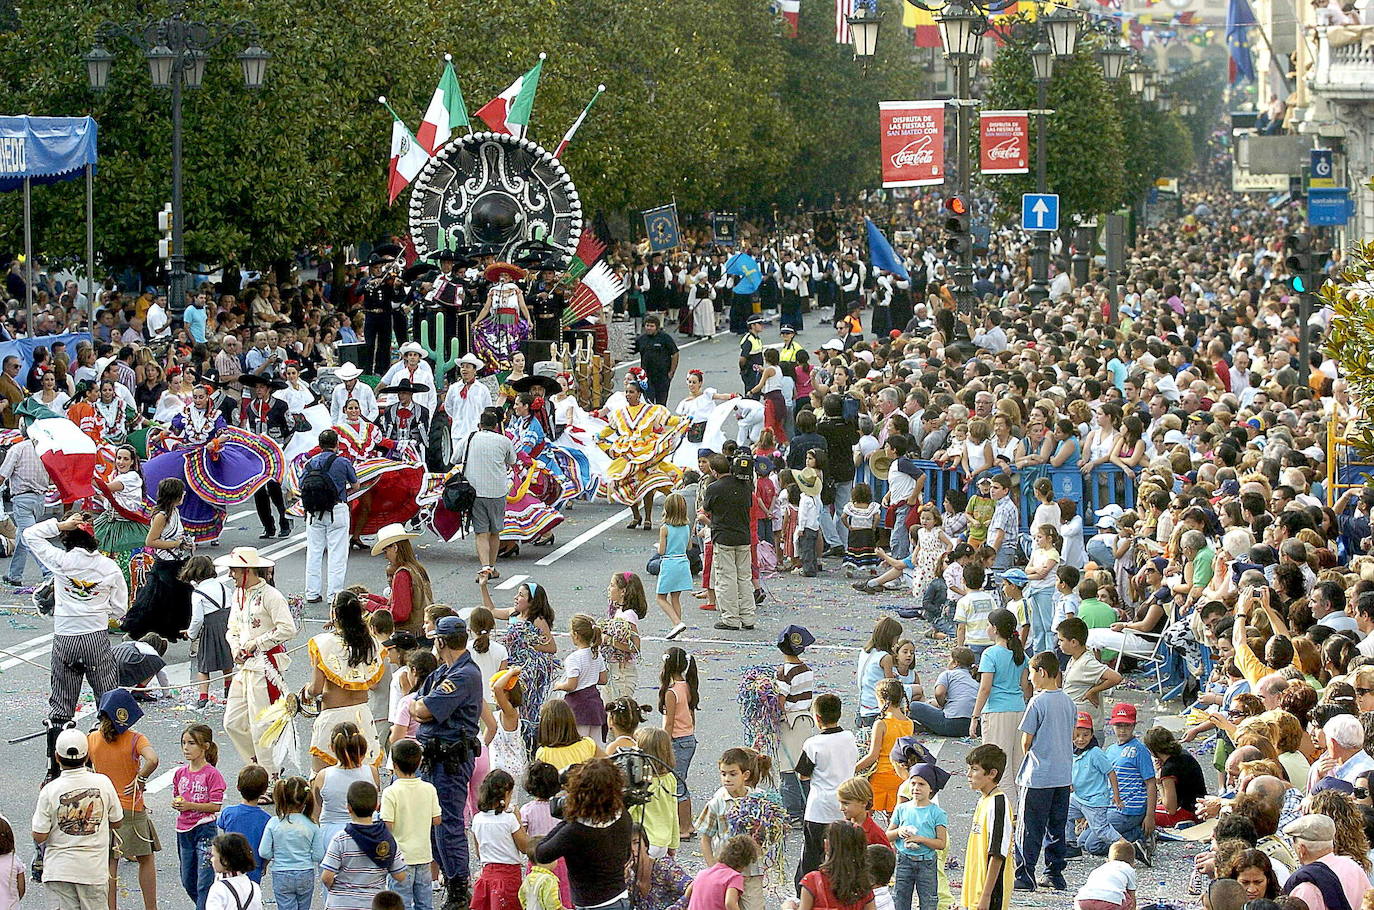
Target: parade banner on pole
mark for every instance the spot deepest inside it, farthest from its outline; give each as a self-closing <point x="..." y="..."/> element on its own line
<point x="1004" y="142"/>
<point x="661" y="226"/>
<point x="912" y="140"/>
<point x="724" y="228"/>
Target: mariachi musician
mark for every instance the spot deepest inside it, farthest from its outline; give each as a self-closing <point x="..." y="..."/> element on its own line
<point x="546" y="303"/>
<point x="405" y="422"/>
<point x="445" y="291"/>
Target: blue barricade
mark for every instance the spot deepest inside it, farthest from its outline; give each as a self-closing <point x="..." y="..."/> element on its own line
<point x="1105" y="485"/>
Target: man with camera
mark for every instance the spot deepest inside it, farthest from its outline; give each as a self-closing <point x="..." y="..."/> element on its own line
<point x="725" y="506"/>
<point x="449" y="706"/>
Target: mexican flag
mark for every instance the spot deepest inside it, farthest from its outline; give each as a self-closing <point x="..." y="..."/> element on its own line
<point x="407" y="157"/>
<point x="446" y="111"/>
<point x="599" y="289"/>
<point x="67" y="453"/>
<point x="509" y="112"/>
<point x="791" y="13"/>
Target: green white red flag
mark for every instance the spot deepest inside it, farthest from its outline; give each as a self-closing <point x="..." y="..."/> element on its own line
<point x="446" y="111"/>
<point x="509" y="112"/>
<point x="567" y="137"/>
<point x="407" y="157"/>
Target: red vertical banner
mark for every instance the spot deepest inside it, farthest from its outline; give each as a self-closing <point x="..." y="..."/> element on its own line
<point x="1004" y="142"/>
<point x="912" y="141"/>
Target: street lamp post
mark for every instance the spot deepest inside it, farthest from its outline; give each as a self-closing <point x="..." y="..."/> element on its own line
<point x="961" y="31"/>
<point x="1042" y="63"/>
<point x="176" y="49"/>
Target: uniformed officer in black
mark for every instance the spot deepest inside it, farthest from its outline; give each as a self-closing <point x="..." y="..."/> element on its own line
<point x="449" y="707"/>
<point x="382" y="303"/>
<point x="751" y="354"/>
<point x="546" y="304"/>
<point x="658" y="355"/>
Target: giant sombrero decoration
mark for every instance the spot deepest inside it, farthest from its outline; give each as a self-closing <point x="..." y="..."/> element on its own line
<point x="494" y="189"/>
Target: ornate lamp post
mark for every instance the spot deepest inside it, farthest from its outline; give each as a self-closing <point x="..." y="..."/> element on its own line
<point x="176" y="49"/>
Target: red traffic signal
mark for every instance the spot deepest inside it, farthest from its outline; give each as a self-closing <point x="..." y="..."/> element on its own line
<point x="956" y="205"/>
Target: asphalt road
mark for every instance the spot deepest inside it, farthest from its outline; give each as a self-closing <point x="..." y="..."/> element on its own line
<point x="591" y="544"/>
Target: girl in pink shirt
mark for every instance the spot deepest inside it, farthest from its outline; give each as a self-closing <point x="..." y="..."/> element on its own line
<point x="197" y="795"/>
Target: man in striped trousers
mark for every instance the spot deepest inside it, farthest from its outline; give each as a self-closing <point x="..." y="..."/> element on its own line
<point x="88" y="590"/>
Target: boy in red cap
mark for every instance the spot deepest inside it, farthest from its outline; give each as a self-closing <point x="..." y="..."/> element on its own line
<point x="1094" y="790"/>
<point x="1133" y="818"/>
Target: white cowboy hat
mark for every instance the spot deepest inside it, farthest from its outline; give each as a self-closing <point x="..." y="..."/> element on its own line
<point x="411" y="347"/>
<point x="471" y="358"/>
<point x="244" y="558"/>
<point x="390" y="534"/>
<point x="347" y="371"/>
<point x="102" y="365"/>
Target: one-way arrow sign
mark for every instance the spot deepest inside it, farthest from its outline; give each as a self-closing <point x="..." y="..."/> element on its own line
<point x="1039" y="212"/>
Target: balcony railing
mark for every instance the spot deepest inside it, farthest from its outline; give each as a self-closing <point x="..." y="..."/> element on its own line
<point x="1345" y="63"/>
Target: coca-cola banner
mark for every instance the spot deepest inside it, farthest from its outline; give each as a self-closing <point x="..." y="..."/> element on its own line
<point x="1004" y="142"/>
<point x="912" y="137"/>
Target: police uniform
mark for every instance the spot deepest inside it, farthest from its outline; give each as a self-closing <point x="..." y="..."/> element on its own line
<point x="751" y="359"/>
<point x="452" y="694"/>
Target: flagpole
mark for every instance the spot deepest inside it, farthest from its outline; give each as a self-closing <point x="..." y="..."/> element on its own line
<point x="381" y="99"/>
<point x="567" y="137"/>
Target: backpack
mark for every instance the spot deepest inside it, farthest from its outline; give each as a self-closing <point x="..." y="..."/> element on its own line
<point x="459" y="495"/>
<point x="319" y="495"/>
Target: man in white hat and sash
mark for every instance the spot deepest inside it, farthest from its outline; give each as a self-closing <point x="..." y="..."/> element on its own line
<point x="414" y="367"/>
<point x="260" y="624"/>
<point x="350" y="389"/>
<point x="464" y="403"/>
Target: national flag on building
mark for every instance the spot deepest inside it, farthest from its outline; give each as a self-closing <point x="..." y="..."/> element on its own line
<point x="843" y="10"/>
<point x="446" y="111"/>
<point x="509" y="112"/>
<point x="790" y="10"/>
<point x="68" y="454"/>
<point x="407" y="157"/>
<point x="925" y="31"/>
<point x="1238" y="19"/>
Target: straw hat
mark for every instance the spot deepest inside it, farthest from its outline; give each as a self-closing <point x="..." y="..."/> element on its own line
<point x="809" y="481"/>
<point x="498" y="270"/>
<point x="880" y="463"/>
<point x="390" y="534"/>
<point x="244" y="558"/>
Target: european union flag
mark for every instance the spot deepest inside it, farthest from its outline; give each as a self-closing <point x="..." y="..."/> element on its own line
<point x="880" y="253"/>
<point x="1238" y="19"/>
<point x="747" y="268"/>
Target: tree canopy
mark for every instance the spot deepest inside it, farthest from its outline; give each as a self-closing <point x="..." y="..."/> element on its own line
<point x="707" y="102"/>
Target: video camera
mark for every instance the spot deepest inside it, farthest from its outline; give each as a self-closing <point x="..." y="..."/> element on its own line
<point x="638" y="769"/>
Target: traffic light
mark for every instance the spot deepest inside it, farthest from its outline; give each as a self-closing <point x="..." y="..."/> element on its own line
<point x="164" y="224"/>
<point x="958" y="238"/>
<point x="1297" y="260"/>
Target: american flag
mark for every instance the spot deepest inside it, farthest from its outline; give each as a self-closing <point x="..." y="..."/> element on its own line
<point x="843" y="10"/>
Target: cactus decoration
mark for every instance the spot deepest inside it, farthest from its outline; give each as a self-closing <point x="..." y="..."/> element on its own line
<point x="434" y="350"/>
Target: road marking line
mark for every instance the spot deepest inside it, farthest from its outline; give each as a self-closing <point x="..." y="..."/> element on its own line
<point x="511" y="582"/>
<point x="582" y="538"/>
<point x="280" y="548"/>
<point x="24" y="657"/>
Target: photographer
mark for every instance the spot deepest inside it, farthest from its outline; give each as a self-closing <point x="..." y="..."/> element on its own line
<point x="725" y="506"/>
<point x="594" y="836"/>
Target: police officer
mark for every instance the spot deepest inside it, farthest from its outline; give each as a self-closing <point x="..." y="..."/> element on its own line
<point x="449" y="706"/>
<point x="751" y="354"/>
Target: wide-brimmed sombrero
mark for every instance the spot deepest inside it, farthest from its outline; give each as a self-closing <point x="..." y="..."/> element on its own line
<point x="498" y="270"/>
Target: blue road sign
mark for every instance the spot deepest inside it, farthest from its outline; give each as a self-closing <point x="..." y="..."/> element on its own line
<point x="1039" y="212"/>
<point x="1328" y="207"/>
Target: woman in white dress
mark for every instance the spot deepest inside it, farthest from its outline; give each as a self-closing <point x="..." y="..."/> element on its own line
<point x="701" y="301"/>
<point x="297" y="395"/>
<point x="699" y="404"/>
